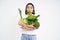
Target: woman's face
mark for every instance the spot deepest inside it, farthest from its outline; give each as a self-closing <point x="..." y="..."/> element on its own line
<point x="30" y="8"/>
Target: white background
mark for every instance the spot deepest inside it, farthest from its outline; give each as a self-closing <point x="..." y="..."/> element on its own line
<point x="49" y="19"/>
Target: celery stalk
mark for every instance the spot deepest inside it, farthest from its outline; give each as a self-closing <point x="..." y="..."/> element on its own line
<point x="20" y="13"/>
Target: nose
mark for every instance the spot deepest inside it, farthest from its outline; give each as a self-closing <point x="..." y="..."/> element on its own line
<point x="29" y="9"/>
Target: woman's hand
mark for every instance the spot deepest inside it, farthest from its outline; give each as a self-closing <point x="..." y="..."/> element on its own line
<point x="27" y="27"/>
<point x="31" y="27"/>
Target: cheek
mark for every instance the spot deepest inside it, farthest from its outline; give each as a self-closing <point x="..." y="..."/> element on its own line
<point x="31" y="10"/>
<point x="27" y="9"/>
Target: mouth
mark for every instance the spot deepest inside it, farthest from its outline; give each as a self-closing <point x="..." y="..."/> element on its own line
<point x="29" y="12"/>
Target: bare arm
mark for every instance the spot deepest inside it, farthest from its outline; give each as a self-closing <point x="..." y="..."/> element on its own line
<point x="21" y="23"/>
<point x="24" y="26"/>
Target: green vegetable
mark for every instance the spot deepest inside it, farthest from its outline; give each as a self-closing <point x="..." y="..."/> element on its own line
<point x="20" y="13"/>
<point x="36" y="24"/>
<point x="26" y="21"/>
<point x="31" y="19"/>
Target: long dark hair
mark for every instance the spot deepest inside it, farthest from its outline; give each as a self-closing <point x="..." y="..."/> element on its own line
<point x="26" y="8"/>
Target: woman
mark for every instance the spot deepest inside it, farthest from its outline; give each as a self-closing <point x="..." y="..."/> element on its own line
<point x="28" y="31"/>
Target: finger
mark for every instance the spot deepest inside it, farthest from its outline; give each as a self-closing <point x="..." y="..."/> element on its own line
<point x="34" y="28"/>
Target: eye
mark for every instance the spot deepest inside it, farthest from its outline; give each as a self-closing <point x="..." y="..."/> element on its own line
<point x="31" y="7"/>
<point x="28" y="7"/>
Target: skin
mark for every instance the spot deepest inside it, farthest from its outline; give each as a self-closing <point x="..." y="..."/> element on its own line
<point x="24" y="26"/>
<point x="30" y="8"/>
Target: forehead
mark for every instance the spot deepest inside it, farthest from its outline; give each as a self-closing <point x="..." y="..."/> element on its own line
<point x="29" y="6"/>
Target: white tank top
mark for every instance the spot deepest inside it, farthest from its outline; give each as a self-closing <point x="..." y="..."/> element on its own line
<point x="32" y="32"/>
